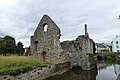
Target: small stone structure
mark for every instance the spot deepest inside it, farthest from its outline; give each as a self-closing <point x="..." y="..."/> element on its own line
<point x="46" y="46"/>
<point x="81" y="51"/>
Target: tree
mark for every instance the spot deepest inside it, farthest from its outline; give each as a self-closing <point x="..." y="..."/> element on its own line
<point x="20" y="50"/>
<point x="7" y="45"/>
<point x="10" y="45"/>
<point x="1" y="46"/>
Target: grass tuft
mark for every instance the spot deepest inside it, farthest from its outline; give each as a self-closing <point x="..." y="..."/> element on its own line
<point x="14" y="65"/>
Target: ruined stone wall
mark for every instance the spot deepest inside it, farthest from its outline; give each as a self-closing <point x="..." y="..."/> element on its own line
<point x="46" y="46"/>
<point x="74" y="50"/>
<point x="45" y="43"/>
<point x="87" y="46"/>
<point x="80" y="51"/>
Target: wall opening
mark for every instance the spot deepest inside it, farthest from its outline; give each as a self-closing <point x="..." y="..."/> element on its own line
<point x="76" y="67"/>
<point x="44" y="55"/>
<point x="36" y="45"/>
<point x="45" y="27"/>
<point x="77" y="71"/>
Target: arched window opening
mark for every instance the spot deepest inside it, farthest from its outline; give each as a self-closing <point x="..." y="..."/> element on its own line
<point x="45" y="27"/>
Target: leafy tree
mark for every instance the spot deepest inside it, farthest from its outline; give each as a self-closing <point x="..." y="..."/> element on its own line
<point x="7" y="45"/>
<point x="1" y="46"/>
<point x="10" y="46"/>
<point x="20" y="49"/>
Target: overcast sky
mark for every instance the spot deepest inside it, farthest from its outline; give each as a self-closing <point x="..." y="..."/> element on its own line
<point x="19" y="18"/>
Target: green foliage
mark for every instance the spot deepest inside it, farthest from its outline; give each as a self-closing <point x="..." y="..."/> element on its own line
<point x="105" y="50"/>
<point x="7" y="45"/>
<point x="14" y="65"/>
<point x="110" y="56"/>
<point x="19" y="48"/>
<point x="110" y="62"/>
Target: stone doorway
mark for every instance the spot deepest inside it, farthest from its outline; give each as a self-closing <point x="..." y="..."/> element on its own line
<point x="36" y="45"/>
<point x="44" y="55"/>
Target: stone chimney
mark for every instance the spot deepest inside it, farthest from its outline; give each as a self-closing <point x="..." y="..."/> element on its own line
<point x="86" y="33"/>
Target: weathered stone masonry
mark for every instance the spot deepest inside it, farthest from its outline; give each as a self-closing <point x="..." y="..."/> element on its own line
<point x="45" y="43"/>
<point x="81" y="51"/>
<point x="46" y="46"/>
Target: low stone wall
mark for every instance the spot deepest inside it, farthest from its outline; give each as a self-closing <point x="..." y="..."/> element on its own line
<point x="40" y="73"/>
<point x="61" y="66"/>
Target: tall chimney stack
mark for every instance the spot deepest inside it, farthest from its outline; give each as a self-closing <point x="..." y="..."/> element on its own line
<point x="86" y="33"/>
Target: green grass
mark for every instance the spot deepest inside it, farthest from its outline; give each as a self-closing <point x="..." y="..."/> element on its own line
<point x="14" y="65"/>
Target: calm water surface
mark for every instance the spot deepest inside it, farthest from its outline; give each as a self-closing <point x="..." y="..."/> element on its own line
<point x="101" y="72"/>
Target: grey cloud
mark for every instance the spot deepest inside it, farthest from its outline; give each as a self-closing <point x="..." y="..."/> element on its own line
<point x="21" y="20"/>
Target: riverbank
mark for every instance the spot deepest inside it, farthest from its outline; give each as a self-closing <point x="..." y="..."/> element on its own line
<point x="104" y="71"/>
<point x="40" y="73"/>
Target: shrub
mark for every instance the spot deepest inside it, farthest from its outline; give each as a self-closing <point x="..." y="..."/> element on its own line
<point x="110" y="56"/>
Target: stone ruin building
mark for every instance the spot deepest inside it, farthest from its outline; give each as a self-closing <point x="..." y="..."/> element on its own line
<point x="81" y="51"/>
<point x="46" y="46"/>
<point x="45" y="43"/>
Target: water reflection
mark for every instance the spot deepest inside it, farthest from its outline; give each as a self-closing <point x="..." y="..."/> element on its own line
<point x="117" y="70"/>
<point x="76" y="75"/>
<point x="101" y="72"/>
<point x="118" y="78"/>
<point x="105" y="72"/>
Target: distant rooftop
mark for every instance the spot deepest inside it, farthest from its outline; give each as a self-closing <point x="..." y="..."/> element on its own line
<point x="101" y="45"/>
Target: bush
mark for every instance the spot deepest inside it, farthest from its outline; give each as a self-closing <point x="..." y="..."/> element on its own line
<point x="110" y="56"/>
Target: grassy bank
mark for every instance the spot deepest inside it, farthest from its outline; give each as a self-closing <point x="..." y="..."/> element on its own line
<point x="110" y="56"/>
<point x="14" y="65"/>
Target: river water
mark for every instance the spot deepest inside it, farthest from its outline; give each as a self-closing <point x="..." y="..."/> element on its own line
<point x="101" y="72"/>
